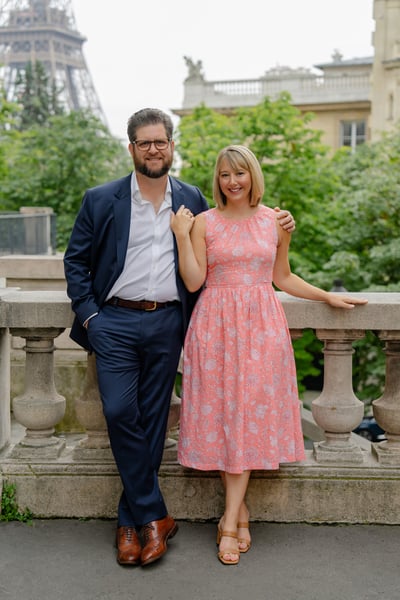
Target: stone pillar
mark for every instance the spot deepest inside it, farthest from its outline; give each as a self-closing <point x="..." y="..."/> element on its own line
<point x="337" y="410"/>
<point x="170" y="446"/>
<point x="175" y="408"/>
<point x="40" y="407"/>
<point x="89" y="410"/>
<point x="296" y="334"/>
<point x="387" y="408"/>
<point x="5" y="420"/>
<point x="38" y="229"/>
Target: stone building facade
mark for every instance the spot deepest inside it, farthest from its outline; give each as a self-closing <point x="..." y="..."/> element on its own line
<point x="353" y="101"/>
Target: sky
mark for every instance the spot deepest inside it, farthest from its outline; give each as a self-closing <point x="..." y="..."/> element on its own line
<point x="135" y="49"/>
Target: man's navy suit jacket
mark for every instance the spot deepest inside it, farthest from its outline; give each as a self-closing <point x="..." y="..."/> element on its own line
<point x="96" y="251"/>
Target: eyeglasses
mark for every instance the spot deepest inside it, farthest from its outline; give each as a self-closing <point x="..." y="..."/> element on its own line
<point x="145" y="145"/>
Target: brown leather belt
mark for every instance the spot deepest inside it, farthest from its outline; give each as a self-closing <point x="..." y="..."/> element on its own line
<point x="148" y="305"/>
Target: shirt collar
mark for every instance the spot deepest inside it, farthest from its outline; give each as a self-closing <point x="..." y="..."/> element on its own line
<point x="137" y="196"/>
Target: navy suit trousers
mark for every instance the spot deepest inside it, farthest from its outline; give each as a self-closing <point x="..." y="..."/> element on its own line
<point x="137" y="355"/>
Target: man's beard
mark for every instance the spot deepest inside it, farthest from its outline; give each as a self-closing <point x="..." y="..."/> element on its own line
<point x="142" y="168"/>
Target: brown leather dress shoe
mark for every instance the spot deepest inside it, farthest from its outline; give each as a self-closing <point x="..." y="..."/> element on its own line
<point x="155" y="537"/>
<point x="129" y="546"/>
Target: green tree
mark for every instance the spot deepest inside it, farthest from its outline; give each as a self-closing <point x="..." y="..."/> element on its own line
<point x="366" y="253"/>
<point x="367" y="248"/>
<point x="287" y="148"/>
<point x="8" y="135"/>
<point x="201" y="136"/>
<point x="8" y="111"/>
<point x="37" y="93"/>
<point x="53" y="165"/>
<point x="53" y="156"/>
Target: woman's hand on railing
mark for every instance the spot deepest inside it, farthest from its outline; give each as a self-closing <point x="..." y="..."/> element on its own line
<point x="340" y="301"/>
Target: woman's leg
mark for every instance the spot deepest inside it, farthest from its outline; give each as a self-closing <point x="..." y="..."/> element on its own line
<point x="235" y="491"/>
<point x="244" y="516"/>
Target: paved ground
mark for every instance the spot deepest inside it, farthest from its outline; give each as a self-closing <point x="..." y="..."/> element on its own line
<point x="75" y="560"/>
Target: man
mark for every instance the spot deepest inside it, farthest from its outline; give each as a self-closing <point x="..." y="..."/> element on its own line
<point x="132" y="311"/>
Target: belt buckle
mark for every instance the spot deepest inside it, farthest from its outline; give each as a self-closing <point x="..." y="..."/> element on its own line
<point x="152" y="308"/>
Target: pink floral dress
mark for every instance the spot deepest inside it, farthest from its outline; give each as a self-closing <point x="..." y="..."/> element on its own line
<point x="240" y="407"/>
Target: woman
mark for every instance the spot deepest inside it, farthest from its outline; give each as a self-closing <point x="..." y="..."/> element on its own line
<point x="240" y="407"/>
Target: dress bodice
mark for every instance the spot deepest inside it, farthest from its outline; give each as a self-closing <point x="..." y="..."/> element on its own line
<point x="240" y="251"/>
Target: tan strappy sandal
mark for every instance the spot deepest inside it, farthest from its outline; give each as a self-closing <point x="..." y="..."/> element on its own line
<point x="221" y="554"/>
<point x="243" y="525"/>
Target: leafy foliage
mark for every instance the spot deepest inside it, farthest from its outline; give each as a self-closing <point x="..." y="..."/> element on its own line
<point x="308" y="353"/>
<point x="52" y="155"/>
<point x="368" y="368"/>
<point x="201" y="136"/>
<point x="367" y="250"/>
<point x="9" y="507"/>
<point x="368" y="247"/>
<point x="37" y="95"/>
<point x="8" y="110"/>
<point x="54" y="164"/>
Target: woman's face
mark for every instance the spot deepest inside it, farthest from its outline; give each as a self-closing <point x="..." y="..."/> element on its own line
<point x="235" y="184"/>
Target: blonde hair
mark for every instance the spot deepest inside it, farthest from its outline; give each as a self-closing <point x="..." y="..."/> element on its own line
<point x="239" y="157"/>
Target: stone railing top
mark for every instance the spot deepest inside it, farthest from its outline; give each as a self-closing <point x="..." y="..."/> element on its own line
<point x="28" y="266"/>
<point x="304" y="88"/>
<point x="20" y="308"/>
<point x="34" y="309"/>
<point x="381" y="313"/>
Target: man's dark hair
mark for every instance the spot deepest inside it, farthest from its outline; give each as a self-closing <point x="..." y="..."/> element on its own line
<point x="149" y="116"/>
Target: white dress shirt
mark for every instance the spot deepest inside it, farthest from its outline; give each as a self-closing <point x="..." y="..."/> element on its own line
<point x="149" y="269"/>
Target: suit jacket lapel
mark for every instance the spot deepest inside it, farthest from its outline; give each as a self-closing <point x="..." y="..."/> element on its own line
<point x="177" y="201"/>
<point x="177" y="194"/>
<point x="122" y="216"/>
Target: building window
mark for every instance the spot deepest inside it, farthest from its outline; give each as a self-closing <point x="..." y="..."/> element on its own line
<point x="352" y="133"/>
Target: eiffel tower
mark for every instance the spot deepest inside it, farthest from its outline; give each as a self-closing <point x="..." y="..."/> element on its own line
<point x="45" y="31"/>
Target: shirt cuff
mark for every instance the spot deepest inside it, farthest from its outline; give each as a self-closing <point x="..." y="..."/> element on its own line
<point x="85" y="324"/>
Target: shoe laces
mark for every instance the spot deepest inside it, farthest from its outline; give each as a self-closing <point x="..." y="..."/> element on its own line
<point x="146" y="532"/>
<point x="129" y="533"/>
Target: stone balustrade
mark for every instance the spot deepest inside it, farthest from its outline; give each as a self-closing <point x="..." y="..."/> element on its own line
<point x="304" y="89"/>
<point x="39" y="317"/>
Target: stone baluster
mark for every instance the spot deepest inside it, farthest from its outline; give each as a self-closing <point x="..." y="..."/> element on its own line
<point x="5" y="420"/>
<point x="309" y="427"/>
<point x="89" y="410"/>
<point x="170" y="446"/>
<point x="337" y="410"/>
<point x="40" y="407"/>
<point x="387" y="408"/>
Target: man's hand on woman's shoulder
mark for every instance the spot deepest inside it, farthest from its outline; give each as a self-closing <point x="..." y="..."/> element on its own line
<point x="285" y="219"/>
